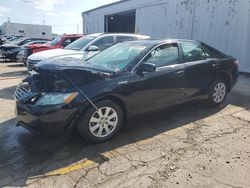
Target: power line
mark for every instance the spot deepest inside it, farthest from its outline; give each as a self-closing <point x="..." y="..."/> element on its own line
<point x="8" y="19"/>
<point x="65" y="25"/>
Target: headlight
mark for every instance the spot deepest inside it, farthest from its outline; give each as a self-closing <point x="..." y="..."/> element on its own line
<point x="56" y="98"/>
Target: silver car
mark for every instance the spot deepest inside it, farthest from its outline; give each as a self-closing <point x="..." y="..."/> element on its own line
<point x="84" y="47"/>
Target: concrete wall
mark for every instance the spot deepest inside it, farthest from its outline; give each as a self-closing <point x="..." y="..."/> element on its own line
<point x="27" y="30"/>
<point x="224" y="24"/>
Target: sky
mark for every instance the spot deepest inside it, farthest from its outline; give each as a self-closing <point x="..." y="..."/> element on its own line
<point x="62" y="15"/>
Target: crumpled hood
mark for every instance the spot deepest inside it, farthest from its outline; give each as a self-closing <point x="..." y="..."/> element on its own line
<point x="57" y="75"/>
<point x="70" y="63"/>
<point x="44" y="55"/>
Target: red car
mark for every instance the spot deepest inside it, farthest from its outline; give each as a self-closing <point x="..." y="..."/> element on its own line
<point x="58" y="42"/>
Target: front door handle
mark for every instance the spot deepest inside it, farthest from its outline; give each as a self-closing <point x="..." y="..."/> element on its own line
<point x="123" y="83"/>
<point x="215" y="65"/>
<point x="179" y="73"/>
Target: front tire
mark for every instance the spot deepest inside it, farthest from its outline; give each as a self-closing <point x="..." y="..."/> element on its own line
<point x="217" y="93"/>
<point x="100" y="126"/>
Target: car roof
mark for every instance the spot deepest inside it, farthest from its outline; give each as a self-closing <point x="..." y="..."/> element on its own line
<point x="72" y="35"/>
<point x="119" y="34"/>
<point x="159" y="41"/>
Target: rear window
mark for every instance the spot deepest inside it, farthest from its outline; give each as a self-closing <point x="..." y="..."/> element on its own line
<point x="212" y="52"/>
<point x="124" y="39"/>
<point x="192" y="52"/>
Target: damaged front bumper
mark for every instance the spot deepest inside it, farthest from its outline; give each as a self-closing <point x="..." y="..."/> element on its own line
<point x="47" y="120"/>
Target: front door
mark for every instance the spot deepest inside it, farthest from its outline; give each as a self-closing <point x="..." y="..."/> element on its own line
<point x="164" y="87"/>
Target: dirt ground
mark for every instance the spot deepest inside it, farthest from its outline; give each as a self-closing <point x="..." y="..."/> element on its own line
<point x="191" y="145"/>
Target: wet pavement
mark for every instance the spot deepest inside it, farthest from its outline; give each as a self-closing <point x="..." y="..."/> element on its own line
<point x="191" y="145"/>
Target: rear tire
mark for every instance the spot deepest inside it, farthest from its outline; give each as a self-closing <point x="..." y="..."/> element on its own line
<point x="100" y="126"/>
<point x="217" y="93"/>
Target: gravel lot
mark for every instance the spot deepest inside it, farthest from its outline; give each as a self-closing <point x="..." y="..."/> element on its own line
<point x="187" y="146"/>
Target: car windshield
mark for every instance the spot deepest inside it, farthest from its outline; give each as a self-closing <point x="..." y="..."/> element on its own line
<point x="80" y="43"/>
<point x="119" y="55"/>
<point x="55" y="41"/>
<point x="34" y="42"/>
<point x="16" y="41"/>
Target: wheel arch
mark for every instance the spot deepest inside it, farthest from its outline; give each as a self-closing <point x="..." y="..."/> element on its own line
<point x="118" y="101"/>
<point x="75" y="120"/>
<point x="228" y="78"/>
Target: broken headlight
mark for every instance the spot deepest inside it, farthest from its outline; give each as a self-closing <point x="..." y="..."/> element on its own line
<point x="56" y="98"/>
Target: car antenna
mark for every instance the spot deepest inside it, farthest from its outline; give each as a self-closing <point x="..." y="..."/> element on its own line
<point x="80" y="91"/>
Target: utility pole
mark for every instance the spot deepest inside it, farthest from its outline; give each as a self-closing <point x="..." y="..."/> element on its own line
<point x="77" y="28"/>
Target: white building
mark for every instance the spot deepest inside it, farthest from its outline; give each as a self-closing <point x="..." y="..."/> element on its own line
<point x="27" y="30"/>
<point x="223" y="24"/>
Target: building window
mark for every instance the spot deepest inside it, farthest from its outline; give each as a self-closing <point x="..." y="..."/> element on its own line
<point x="21" y="31"/>
<point x="43" y="33"/>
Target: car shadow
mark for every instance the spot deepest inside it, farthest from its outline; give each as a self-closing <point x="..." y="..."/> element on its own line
<point x="3" y="60"/>
<point x="14" y="74"/>
<point x="24" y="156"/>
<point x="7" y="93"/>
<point x="16" y="65"/>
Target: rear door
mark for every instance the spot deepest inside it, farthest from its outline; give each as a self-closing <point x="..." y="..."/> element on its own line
<point x="200" y="69"/>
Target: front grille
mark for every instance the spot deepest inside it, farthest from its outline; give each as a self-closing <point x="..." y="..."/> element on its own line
<point x="21" y="93"/>
<point x="31" y="63"/>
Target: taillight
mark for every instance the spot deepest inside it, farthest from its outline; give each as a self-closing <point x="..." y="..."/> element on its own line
<point x="236" y="63"/>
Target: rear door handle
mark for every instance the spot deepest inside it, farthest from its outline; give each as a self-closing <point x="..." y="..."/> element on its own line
<point x="215" y="65"/>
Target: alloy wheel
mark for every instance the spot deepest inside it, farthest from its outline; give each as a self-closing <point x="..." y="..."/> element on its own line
<point x="219" y="92"/>
<point x="103" y="122"/>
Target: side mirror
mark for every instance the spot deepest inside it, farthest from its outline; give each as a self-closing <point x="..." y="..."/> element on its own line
<point x="93" y="48"/>
<point x="147" y="67"/>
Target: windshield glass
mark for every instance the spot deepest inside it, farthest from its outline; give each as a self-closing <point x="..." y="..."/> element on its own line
<point x="119" y="55"/>
<point x="80" y="43"/>
<point x="16" y="41"/>
<point x="55" y="41"/>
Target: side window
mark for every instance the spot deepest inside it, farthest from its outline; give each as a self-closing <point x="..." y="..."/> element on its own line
<point x="124" y="39"/>
<point x="193" y="52"/>
<point x="212" y="53"/>
<point x="104" y="43"/>
<point x="163" y="56"/>
<point x="66" y="42"/>
<point x="25" y="42"/>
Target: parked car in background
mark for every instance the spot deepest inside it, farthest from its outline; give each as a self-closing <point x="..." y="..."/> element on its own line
<point x="84" y="47"/>
<point x="10" y="51"/>
<point x="25" y="51"/>
<point x="123" y="81"/>
<point x="19" y="42"/>
<point x="58" y="42"/>
<point x="9" y="39"/>
<point x="2" y="40"/>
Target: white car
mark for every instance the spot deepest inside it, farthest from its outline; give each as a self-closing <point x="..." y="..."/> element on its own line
<point x="84" y="47"/>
